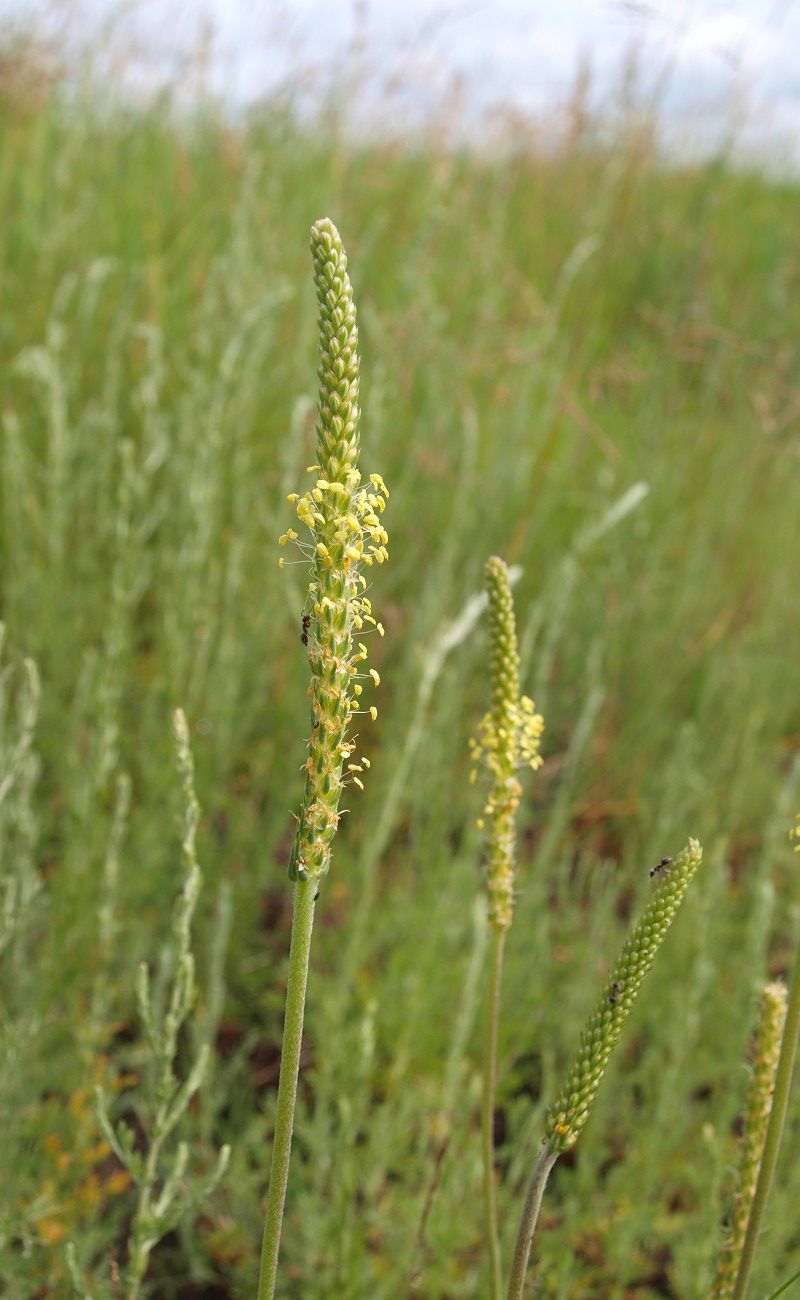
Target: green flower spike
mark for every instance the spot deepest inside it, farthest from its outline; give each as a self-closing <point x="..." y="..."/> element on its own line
<point x="343" y="518"/>
<point x="771" y="1017"/>
<point x="569" y="1113"/>
<point x="567" y="1116"/>
<point x="508" y="738"/>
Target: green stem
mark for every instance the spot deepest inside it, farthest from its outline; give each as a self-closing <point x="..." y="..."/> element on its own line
<point x="530" y="1213"/>
<point x="302" y="925"/>
<point x="780" y="1105"/>
<point x="785" y="1286"/>
<point x="140" y="1253"/>
<point x="487" y="1112"/>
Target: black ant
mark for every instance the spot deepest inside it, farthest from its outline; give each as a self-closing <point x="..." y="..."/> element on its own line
<point x="664" y="862"/>
<point x="616" y="987"/>
<point x="306" y="626"/>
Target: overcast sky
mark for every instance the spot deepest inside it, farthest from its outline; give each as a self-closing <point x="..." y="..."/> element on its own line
<point x="712" y="60"/>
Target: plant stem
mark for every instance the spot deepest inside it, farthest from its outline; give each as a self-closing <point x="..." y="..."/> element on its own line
<point x="530" y="1213"/>
<point x="302" y="925"/>
<point x="141" y="1246"/>
<point x="487" y="1115"/>
<point x="785" y="1286"/>
<point x="780" y="1105"/>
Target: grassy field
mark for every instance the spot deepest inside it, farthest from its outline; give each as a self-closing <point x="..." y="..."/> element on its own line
<point x="583" y="362"/>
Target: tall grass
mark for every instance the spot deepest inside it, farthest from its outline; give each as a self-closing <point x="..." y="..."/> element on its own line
<point x="540" y="334"/>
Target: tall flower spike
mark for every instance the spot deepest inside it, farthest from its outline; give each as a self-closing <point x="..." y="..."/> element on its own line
<point x="508" y="738"/>
<point x="569" y="1113"/>
<point x="347" y="535"/>
<point x="771" y="1017"/>
<point x="343" y="517"/>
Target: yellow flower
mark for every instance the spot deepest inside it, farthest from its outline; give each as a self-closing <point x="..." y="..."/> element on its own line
<point x="343" y="517"/>
<point x="507" y="739"/>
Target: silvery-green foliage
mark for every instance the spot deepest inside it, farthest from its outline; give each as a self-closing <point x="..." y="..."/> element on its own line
<point x="19" y="769"/>
<point x="165" y="1195"/>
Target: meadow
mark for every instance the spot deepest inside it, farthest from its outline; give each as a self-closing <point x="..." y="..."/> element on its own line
<point x="580" y="359"/>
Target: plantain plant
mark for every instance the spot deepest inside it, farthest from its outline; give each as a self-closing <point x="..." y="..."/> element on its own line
<point x="570" y="1111"/>
<point x="342" y="515"/>
<point x="508" y="738"/>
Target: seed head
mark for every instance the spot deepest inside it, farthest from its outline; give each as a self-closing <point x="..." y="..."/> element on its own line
<point x="569" y="1113"/>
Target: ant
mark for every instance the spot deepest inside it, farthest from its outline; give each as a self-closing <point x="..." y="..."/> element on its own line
<point x="306" y="625"/>
<point x="664" y="862"/>
<point x="616" y="987"/>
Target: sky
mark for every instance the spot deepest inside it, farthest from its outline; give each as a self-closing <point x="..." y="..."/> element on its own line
<point x="713" y="65"/>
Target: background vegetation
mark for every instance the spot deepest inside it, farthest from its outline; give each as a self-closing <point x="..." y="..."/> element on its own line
<point x="541" y="332"/>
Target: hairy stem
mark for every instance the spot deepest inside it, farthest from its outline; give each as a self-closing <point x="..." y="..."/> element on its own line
<point x="487" y="1111"/>
<point x="530" y="1214"/>
<point x="302" y="925"/>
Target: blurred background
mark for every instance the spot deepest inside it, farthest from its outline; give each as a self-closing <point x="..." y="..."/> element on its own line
<point x="573" y="238"/>
<point x="715" y="68"/>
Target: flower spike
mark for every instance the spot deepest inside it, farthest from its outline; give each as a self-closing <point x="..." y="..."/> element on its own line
<point x="569" y="1113"/>
<point x="766" y="1053"/>
<point x="508" y="738"/>
<point x="343" y="517"/>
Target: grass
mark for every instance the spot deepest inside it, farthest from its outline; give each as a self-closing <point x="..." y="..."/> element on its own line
<point x="538" y="335"/>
